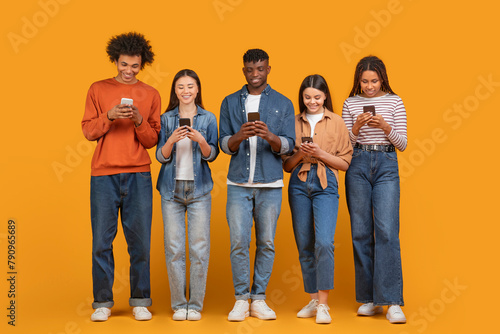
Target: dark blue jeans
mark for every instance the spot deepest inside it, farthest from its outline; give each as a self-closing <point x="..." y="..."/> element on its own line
<point x="372" y="188"/>
<point x="130" y="194"/>
<point x="314" y="216"/>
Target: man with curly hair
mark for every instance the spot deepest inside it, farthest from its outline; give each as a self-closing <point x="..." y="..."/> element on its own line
<point x="123" y="115"/>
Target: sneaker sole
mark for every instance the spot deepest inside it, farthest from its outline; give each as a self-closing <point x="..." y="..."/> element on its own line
<point x="238" y="318"/>
<point x="303" y="316"/>
<point x="395" y="321"/>
<point x="143" y="319"/>
<point x="262" y="317"/>
<point x="324" y="321"/>
<point x="377" y="310"/>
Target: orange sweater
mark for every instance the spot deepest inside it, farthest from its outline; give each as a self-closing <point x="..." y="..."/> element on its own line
<point x="121" y="146"/>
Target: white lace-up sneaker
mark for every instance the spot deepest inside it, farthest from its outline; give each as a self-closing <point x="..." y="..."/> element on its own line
<point x="259" y="309"/>
<point x="322" y="314"/>
<point x="141" y="313"/>
<point x="239" y="311"/>
<point x="369" y="309"/>
<point x="180" y="314"/>
<point x="100" y="314"/>
<point x="309" y="310"/>
<point x="395" y="315"/>
<point x="193" y="315"/>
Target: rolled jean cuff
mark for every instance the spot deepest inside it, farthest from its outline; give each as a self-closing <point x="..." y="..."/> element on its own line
<point x="242" y="297"/>
<point x="140" y="302"/>
<point x="96" y="305"/>
<point x="258" y="297"/>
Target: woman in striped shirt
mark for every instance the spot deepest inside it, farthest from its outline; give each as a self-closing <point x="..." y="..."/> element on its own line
<point x="376" y="119"/>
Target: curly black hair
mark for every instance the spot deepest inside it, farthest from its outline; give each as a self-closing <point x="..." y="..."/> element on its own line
<point x="130" y="44"/>
<point x="255" y="55"/>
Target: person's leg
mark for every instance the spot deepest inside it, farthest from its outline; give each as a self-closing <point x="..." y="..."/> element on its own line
<point x="388" y="278"/>
<point x="239" y="211"/>
<point x="359" y="201"/>
<point x="199" y="210"/>
<point x="266" y="213"/>
<point x="104" y="207"/>
<point x="174" y="224"/>
<point x="299" y="198"/>
<point x="137" y="195"/>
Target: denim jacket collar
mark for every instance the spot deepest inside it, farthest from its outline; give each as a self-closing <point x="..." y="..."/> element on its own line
<point x="244" y="90"/>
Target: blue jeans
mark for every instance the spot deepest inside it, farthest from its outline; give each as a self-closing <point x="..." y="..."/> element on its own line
<point x="372" y="188"/>
<point x="314" y="217"/>
<point x="243" y="206"/>
<point x="198" y="230"/>
<point x="130" y="194"/>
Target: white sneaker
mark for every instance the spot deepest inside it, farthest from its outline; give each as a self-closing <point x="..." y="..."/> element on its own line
<point x="259" y="309"/>
<point x="369" y="309"/>
<point x="395" y="315"/>
<point x="239" y="311"/>
<point x="322" y="314"/>
<point x="141" y="313"/>
<point x="100" y="314"/>
<point x="309" y="310"/>
<point x="193" y="315"/>
<point x="180" y="314"/>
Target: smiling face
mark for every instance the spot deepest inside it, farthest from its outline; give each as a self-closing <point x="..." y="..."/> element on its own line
<point x="128" y="67"/>
<point x="370" y="84"/>
<point x="314" y="100"/>
<point x="256" y="75"/>
<point x="186" y="90"/>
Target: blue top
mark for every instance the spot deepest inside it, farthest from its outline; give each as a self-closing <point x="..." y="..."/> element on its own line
<point x="277" y="112"/>
<point x="204" y="122"/>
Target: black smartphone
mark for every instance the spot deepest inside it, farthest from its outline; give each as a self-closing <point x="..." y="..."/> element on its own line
<point x="369" y="109"/>
<point x="307" y="139"/>
<point x="253" y="116"/>
<point x="184" y="121"/>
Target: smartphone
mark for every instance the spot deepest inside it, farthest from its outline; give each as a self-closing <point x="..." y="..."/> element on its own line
<point x="127" y="101"/>
<point x="369" y="109"/>
<point x="253" y="116"/>
<point x="184" y="121"/>
<point x="307" y="139"/>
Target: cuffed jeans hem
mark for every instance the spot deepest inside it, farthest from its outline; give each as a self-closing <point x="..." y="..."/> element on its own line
<point x="242" y="297"/>
<point x="140" y="302"/>
<point x="96" y="305"/>
<point x="389" y="303"/>
<point x="258" y="297"/>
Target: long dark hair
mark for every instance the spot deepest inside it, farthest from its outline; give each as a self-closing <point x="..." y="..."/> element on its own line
<point x="315" y="81"/>
<point x="371" y="63"/>
<point x="174" y="101"/>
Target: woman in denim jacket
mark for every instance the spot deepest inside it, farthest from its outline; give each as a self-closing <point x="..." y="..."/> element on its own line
<point x="185" y="183"/>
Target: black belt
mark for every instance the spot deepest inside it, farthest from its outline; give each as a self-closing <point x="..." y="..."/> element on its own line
<point x="376" y="147"/>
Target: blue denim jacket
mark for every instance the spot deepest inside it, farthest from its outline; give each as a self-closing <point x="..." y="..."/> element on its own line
<point x="277" y="112"/>
<point x="204" y="122"/>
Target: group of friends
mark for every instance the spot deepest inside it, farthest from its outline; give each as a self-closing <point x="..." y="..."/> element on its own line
<point x="260" y="131"/>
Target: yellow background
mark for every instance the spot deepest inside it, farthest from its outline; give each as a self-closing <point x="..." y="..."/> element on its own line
<point x="439" y="55"/>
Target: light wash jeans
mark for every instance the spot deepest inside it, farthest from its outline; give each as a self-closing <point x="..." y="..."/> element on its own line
<point x="372" y="188"/>
<point x="243" y="206"/>
<point x="314" y="217"/>
<point x="129" y="194"/>
<point x="198" y="231"/>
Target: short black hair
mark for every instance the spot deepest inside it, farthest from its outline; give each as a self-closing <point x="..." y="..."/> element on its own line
<point x="255" y="55"/>
<point x="130" y="44"/>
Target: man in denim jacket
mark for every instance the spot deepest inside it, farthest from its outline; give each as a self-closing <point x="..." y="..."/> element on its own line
<point x="254" y="179"/>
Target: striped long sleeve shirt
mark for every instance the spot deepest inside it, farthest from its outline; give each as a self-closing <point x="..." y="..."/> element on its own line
<point x="390" y="107"/>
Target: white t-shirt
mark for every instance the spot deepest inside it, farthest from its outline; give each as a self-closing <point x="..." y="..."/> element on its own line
<point x="184" y="160"/>
<point x="252" y="105"/>
<point x="313" y="119"/>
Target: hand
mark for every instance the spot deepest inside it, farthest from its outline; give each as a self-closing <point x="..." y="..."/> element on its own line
<point x="262" y="130"/>
<point x="311" y="149"/>
<point x="247" y="130"/>
<point x="195" y="135"/>
<point x="136" y="116"/>
<point x="178" y="134"/>
<point x="120" y="111"/>
<point x="362" y="120"/>
<point x="378" y="121"/>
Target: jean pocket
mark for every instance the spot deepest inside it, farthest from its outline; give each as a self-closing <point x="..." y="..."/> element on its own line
<point x="356" y="152"/>
<point x="145" y="174"/>
<point x="393" y="156"/>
